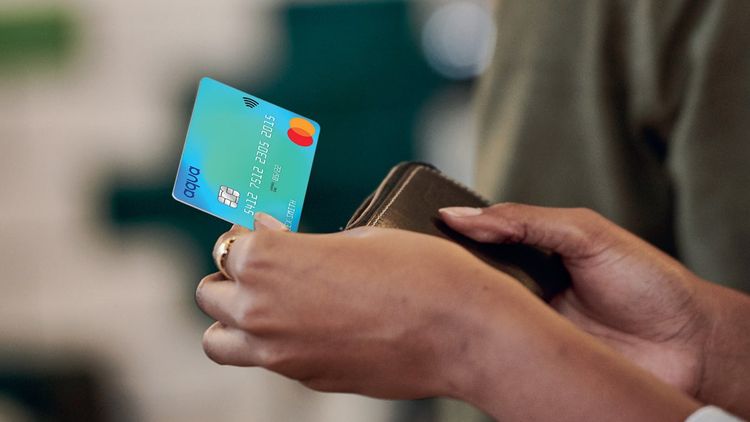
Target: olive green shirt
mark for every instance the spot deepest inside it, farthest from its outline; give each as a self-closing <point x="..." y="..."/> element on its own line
<point x="639" y="109"/>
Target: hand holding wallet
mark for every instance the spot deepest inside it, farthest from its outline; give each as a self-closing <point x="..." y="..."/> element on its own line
<point x="409" y="198"/>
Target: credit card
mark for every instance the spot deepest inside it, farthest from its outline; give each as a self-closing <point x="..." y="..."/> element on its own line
<point x="243" y="155"/>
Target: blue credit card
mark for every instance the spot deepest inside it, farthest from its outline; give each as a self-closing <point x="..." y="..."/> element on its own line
<point x="244" y="155"/>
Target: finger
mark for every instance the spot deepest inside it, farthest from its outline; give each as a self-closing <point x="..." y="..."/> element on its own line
<point x="265" y="221"/>
<point x="230" y="346"/>
<point x="569" y="232"/>
<point x="265" y="248"/>
<point x="239" y="229"/>
<point x="216" y="297"/>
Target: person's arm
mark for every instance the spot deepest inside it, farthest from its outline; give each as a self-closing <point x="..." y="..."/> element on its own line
<point x="725" y="379"/>
<point x="547" y="370"/>
<point x="692" y="334"/>
<point x="395" y="314"/>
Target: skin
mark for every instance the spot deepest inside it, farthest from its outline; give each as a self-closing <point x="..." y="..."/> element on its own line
<point x="692" y="334"/>
<point x="357" y="312"/>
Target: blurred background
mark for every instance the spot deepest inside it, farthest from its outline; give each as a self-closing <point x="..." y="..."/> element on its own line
<point x="95" y="99"/>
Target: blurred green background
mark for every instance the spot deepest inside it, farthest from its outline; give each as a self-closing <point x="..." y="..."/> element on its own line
<point x="99" y="264"/>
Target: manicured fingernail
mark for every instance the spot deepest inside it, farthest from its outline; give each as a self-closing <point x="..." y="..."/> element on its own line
<point x="269" y="222"/>
<point x="461" y="211"/>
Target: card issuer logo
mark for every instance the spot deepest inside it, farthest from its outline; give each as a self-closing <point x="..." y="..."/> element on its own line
<point x="229" y="196"/>
<point x="301" y="132"/>
<point x="191" y="182"/>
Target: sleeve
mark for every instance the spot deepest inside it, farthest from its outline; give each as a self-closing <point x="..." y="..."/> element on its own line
<point x="711" y="414"/>
<point x="709" y="157"/>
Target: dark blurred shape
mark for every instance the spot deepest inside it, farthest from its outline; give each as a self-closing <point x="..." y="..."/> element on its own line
<point x="359" y="71"/>
<point x="35" y="36"/>
<point x="61" y="393"/>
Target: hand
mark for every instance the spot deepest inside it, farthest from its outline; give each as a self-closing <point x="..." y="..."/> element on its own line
<point x="379" y="312"/>
<point x="631" y="296"/>
<point x="625" y="292"/>
<point x="395" y="314"/>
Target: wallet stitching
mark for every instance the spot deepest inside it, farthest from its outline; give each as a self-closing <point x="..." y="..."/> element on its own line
<point x="374" y="195"/>
<point x="396" y="195"/>
<point x="459" y="184"/>
<point x="406" y="183"/>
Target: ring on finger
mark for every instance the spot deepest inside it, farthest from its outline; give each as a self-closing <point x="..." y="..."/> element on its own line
<point x="221" y="252"/>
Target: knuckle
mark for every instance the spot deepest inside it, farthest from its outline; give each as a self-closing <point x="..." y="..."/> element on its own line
<point x="251" y="243"/>
<point x="503" y="208"/>
<point x="516" y="231"/>
<point x="249" y="253"/>
<point x="588" y="230"/>
<point x="256" y="252"/>
<point x="260" y="326"/>
<point x="246" y="314"/>
<point x="587" y="221"/>
<point x="583" y="219"/>
<point x="273" y="357"/>
<point x="507" y="225"/>
<point x="586" y="214"/>
<point x="254" y="318"/>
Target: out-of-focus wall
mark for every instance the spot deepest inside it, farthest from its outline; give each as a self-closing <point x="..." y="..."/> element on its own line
<point x="95" y="316"/>
<point x="75" y="297"/>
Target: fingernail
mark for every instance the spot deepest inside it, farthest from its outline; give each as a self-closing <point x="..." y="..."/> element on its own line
<point x="269" y="222"/>
<point x="461" y="211"/>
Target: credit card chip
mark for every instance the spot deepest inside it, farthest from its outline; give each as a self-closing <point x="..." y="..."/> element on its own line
<point x="229" y="196"/>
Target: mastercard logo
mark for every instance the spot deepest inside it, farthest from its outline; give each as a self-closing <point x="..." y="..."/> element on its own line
<point x="301" y="132"/>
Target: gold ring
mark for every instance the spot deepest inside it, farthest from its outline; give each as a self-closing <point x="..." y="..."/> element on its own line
<point x="221" y="253"/>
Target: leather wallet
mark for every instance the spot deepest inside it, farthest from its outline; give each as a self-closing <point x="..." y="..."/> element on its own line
<point x="409" y="198"/>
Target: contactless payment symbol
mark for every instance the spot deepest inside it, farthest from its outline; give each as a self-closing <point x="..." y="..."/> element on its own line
<point x="301" y="132"/>
<point x="229" y="196"/>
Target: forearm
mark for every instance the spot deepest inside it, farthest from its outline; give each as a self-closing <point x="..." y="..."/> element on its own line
<point x="726" y="372"/>
<point x="545" y="369"/>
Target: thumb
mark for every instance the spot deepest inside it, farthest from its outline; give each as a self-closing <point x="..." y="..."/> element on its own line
<point x="264" y="221"/>
<point x="574" y="233"/>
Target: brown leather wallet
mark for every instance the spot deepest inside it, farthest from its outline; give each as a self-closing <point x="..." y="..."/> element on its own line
<point x="409" y="198"/>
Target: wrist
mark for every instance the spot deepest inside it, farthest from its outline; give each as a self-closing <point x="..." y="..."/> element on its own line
<point x="726" y="351"/>
<point x="504" y="330"/>
<point x="482" y="336"/>
<point x="522" y="361"/>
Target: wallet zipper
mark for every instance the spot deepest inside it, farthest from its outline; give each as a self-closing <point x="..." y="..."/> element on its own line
<point x="389" y="191"/>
